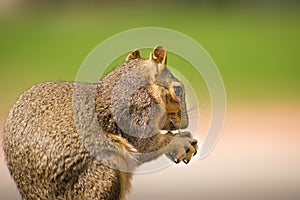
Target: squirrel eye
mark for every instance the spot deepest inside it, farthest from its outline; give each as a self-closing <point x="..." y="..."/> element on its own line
<point x="178" y="91"/>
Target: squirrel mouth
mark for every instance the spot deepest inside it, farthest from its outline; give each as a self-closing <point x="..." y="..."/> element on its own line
<point x="172" y="126"/>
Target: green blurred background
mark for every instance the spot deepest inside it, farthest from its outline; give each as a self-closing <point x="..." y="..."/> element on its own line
<point x="255" y="44"/>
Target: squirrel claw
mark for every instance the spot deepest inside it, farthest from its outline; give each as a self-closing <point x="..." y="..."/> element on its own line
<point x="195" y="152"/>
<point x="182" y="148"/>
<point x="186" y="161"/>
<point x="194" y="142"/>
<point x="176" y="161"/>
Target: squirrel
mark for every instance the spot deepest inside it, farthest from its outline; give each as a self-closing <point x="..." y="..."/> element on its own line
<point x="72" y="140"/>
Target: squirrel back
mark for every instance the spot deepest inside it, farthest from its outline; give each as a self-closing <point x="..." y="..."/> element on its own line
<point x="66" y="140"/>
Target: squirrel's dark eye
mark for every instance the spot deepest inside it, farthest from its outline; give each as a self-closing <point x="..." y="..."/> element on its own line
<point x="178" y="91"/>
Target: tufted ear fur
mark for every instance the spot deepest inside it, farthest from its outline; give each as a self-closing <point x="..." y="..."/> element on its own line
<point x="159" y="56"/>
<point x="133" y="55"/>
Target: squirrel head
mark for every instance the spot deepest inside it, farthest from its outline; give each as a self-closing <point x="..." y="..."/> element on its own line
<point x="141" y="96"/>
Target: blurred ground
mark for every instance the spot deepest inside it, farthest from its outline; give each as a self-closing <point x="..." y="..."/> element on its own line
<point x="256" y="48"/>
<point x="257" y="157"/>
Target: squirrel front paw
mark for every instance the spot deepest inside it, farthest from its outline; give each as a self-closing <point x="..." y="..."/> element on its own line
<point x="181" y="147"/>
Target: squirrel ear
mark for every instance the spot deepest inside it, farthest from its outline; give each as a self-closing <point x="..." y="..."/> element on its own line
<point x="133" y="55"/>
<point x="159" y="55"/>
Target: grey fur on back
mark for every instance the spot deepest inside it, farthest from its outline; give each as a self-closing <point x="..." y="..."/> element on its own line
<point x="65" y="140"/>
<point x="44" y="151"/>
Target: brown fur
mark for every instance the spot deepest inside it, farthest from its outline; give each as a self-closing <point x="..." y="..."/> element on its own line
<point x="67" y="140"/>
